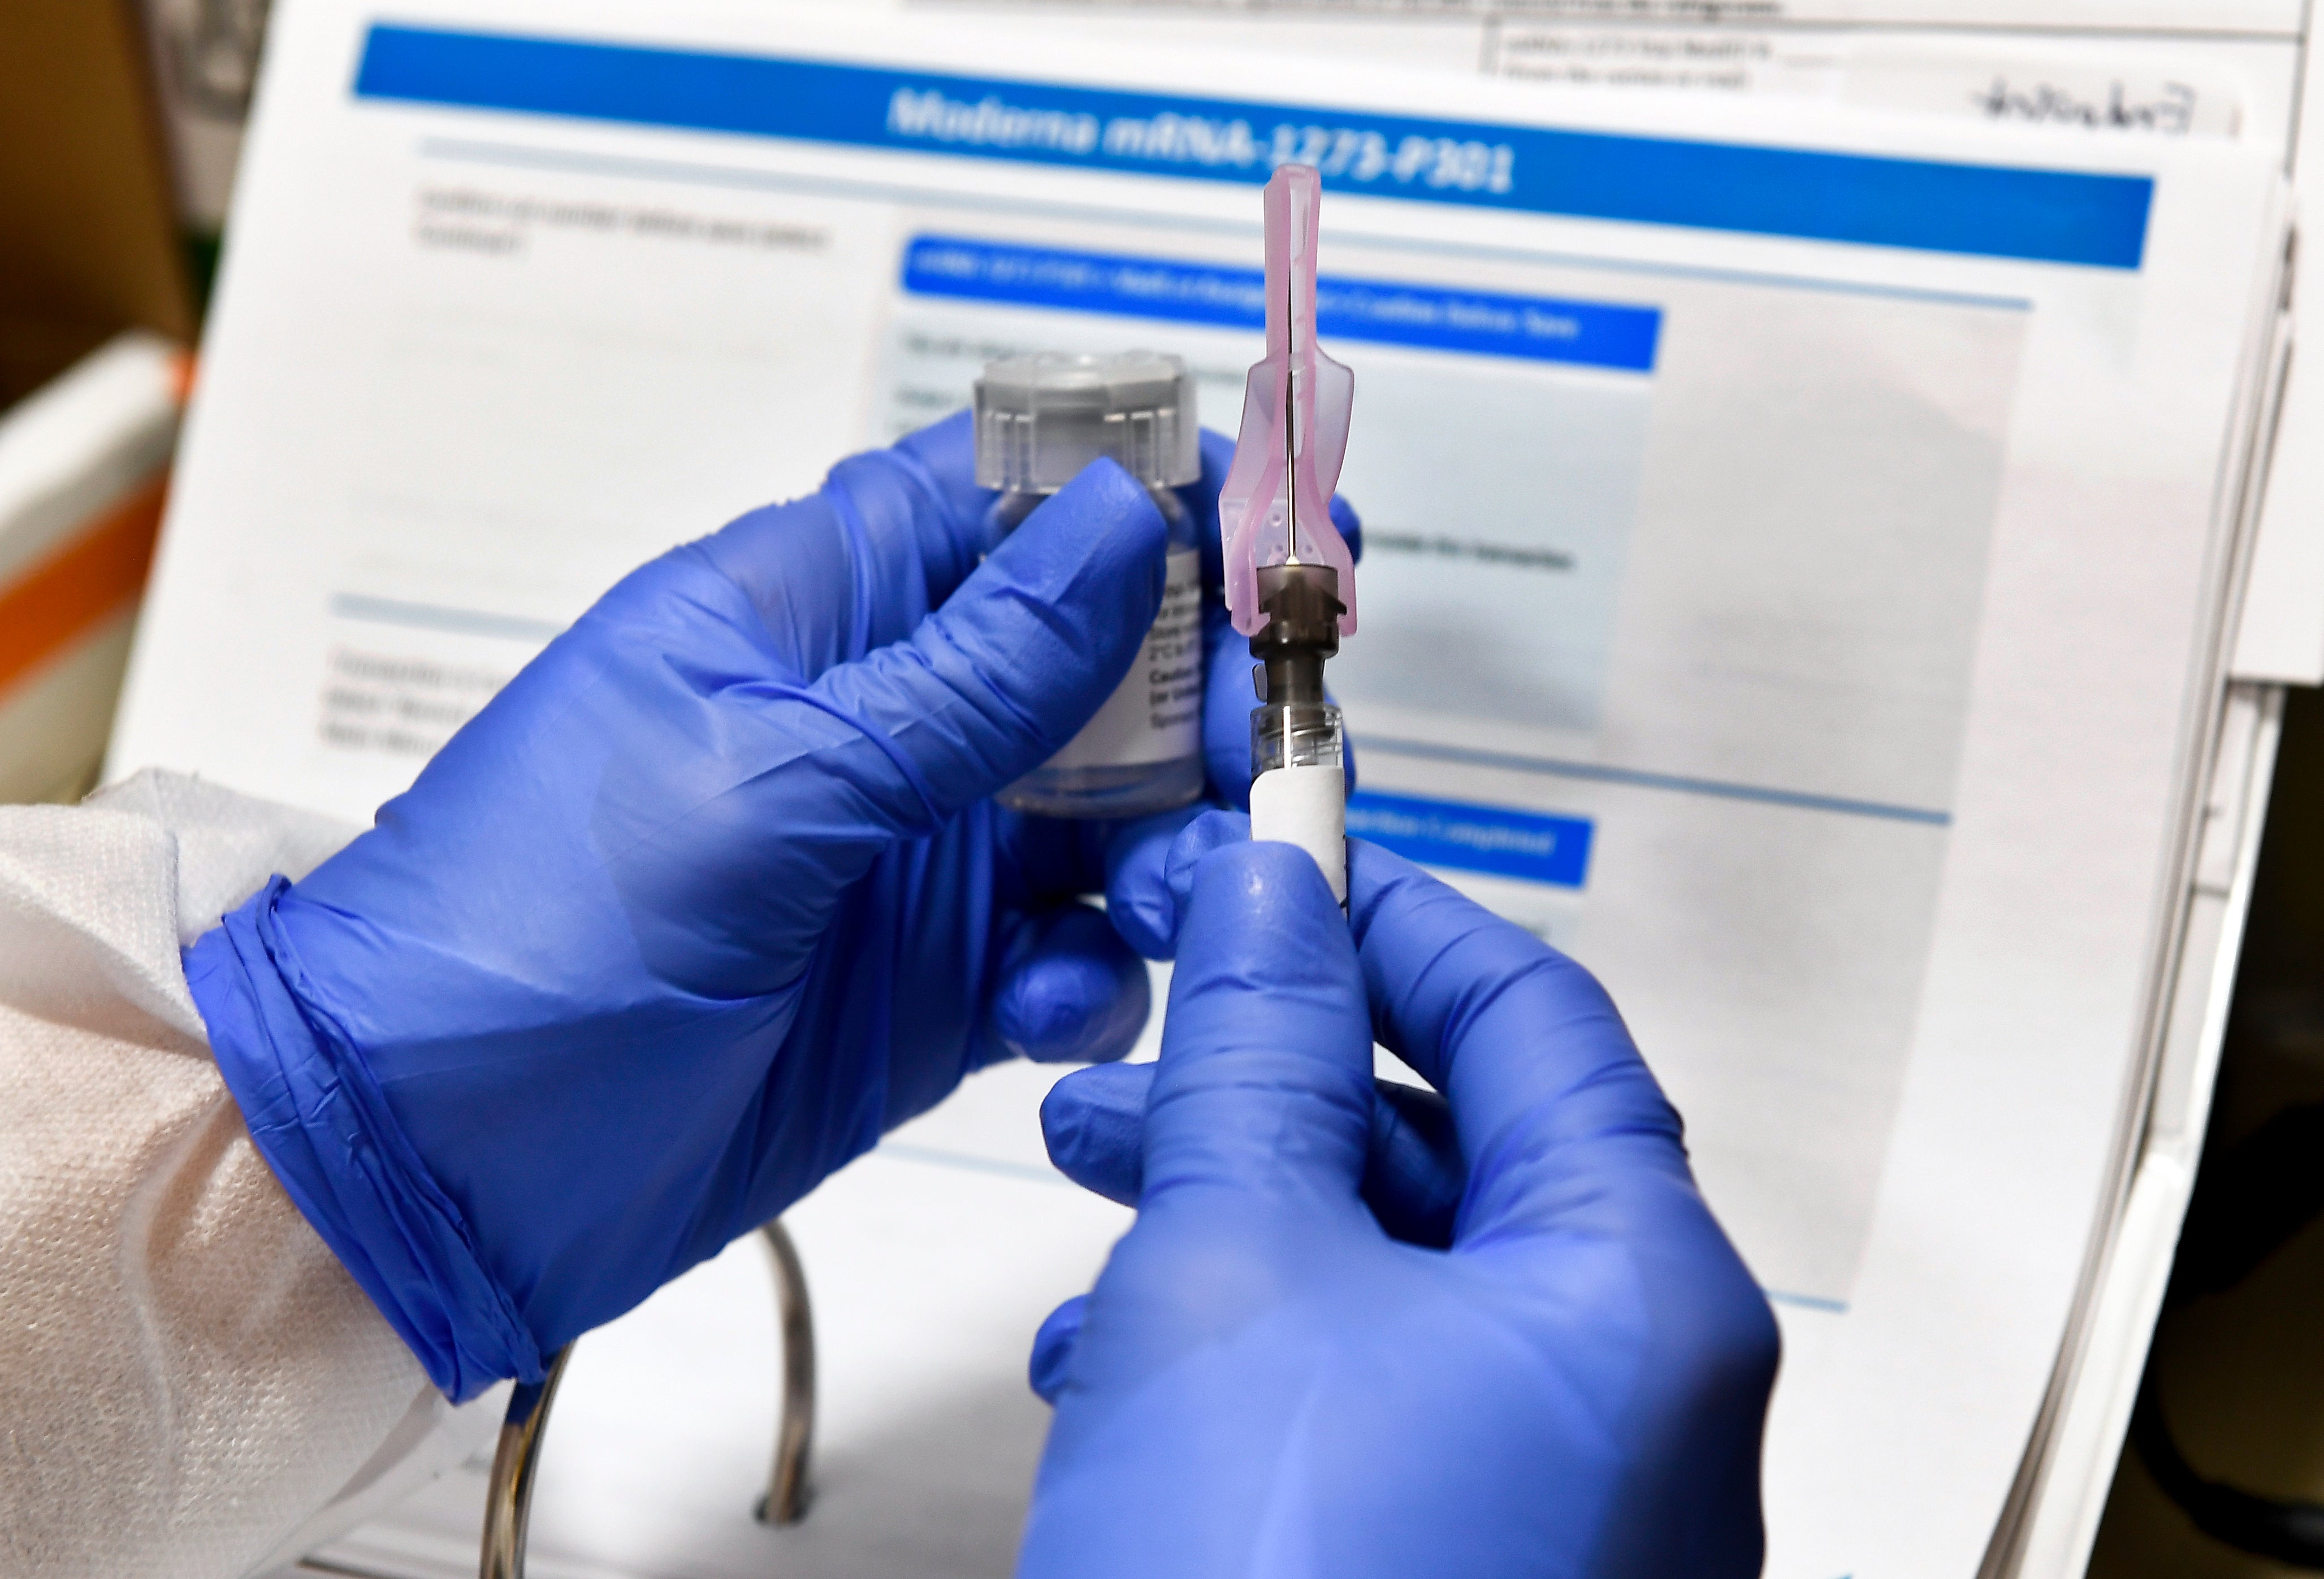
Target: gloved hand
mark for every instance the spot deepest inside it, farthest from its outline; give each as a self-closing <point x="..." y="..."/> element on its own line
<point x="706" y="899"/>
<point x="1267" y="1379"/>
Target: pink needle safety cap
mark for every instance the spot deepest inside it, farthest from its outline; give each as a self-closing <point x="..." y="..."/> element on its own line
<point x="1274" y="506"/>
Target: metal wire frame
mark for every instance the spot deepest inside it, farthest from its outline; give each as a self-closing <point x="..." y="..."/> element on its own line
<point x="508" y="1499"/>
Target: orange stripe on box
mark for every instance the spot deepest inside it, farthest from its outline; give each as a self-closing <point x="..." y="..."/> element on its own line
<point x="82" y="584"/>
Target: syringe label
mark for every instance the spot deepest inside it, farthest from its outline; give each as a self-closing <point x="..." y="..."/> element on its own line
<point x="1156" y="714"/>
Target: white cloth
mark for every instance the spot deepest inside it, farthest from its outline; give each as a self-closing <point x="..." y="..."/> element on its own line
<point x="187" y="1373"/>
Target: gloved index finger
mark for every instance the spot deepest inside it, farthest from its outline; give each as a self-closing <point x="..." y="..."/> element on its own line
<point x="1512" y="1032"/>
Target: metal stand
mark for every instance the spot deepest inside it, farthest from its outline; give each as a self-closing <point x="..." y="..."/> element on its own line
<point x="508" y="1500"/>
<point x="787" y="1489"/>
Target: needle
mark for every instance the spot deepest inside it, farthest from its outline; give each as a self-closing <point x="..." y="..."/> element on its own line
<point x="1290" y="420"/>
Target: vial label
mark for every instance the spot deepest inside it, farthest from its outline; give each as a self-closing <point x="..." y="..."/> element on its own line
<point x="1157" y="714"/>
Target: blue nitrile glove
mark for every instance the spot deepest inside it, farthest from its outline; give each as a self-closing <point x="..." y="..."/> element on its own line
<point x="709" y="898"/>
<point x="1267" y="1381"/>
<point x="1095" y="1122"/>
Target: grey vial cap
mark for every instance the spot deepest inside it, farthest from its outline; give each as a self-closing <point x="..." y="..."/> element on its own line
<point x="1041" y="419"/>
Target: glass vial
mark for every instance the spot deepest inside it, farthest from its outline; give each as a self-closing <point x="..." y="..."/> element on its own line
<point x="1040" y="420"/>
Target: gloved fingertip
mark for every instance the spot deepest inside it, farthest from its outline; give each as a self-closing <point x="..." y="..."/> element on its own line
<point x="947" y="449"/>
<point x="1094" y="1123"/>
<point x="1104" y="505"/>
<point x="1052" y="1362"/>
<point x="1136" y="901"/>
<point x="1350" y="526"/>
<point x="1218" y="456"/>
<point x="1151" y="872"/>
<point x="1229" y="695"/>
<point x="1077" y="994"/>
<point x="1213" y="830"/>
<point x="1202" y="497"/>
<point x="1142" y="911"/>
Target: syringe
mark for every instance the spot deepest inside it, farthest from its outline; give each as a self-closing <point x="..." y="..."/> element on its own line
<point x="1291" y="583"/>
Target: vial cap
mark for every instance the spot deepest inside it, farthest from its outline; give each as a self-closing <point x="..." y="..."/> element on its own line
<point x="1041" y="419"/>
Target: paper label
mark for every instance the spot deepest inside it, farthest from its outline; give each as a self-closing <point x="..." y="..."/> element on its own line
<point x="1156" y="715"/>
<point x="1306" y="806"/>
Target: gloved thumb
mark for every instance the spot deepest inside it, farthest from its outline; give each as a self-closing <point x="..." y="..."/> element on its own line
<point x="1263" y="1094"/>
<point x="1017" y="659"/>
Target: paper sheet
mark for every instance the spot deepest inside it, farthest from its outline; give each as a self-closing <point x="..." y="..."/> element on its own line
<point x="2164" y="68"/>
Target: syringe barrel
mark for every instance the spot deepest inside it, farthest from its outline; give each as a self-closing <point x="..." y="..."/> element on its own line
<point x="1299" y="790"/>
<point x="1300" y="734"/>
<point x="1294" y="726"/>
<point x="1298" y="761"/>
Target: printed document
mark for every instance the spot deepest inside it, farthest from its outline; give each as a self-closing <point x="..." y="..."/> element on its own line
<point x="1799" y="552"/>
<point x="2236" y="69"/>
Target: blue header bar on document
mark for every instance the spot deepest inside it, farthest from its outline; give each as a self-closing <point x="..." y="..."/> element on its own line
<point x="1481" y="323"/>
<point x="1535" y="846"/>
<point x="2044" y="216"/>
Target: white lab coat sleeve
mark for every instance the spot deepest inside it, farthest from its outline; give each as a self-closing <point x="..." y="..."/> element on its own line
<point x="190" y="1383"/>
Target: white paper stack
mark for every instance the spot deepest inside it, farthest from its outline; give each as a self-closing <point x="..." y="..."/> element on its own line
<point x="82" y="464"/>
<point x="1806" y="542"/>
